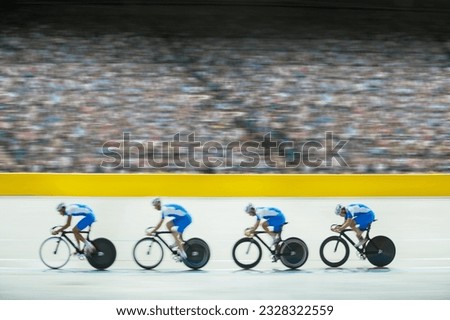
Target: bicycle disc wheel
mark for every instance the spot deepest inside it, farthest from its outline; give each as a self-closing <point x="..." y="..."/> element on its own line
<point x="334" y="251"/>
<point x="148" y="253"/>
<point x="293" y="253"/>
<point x="380" y="251"/>
<point x="54" y="252"/>
<point x="247" y="253"/>
<point x="104" y="256"/>
<point x="197" y="252"/>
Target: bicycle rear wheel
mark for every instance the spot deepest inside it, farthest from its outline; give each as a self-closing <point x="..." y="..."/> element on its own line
<point x="54" y="252"/>
<point x="148" y="253"/>
<point x="197" y="252"/>
<point x="104" y="256"/>
<point x="293" y="253"/>
<point x="334" y="251"/>
<point x="247" y="253"/>
<point x="380" y="251"/>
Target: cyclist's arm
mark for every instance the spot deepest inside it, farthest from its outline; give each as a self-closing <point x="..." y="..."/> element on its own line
<point x="156" y="227"/>
<point x="256" y="225"/>
<point x="344" y="226"/>
<point x="64" y="227"/>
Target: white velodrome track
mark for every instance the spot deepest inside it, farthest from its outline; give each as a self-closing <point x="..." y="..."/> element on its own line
<point x="419" y="228"/>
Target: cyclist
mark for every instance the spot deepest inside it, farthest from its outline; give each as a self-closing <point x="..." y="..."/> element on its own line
<point x="75" y="210"/>
<point x="358" y="217"/>
<point x="180" y="220"/>
<point x="274" y="221"/>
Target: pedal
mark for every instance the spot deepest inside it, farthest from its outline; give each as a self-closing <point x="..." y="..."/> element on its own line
<point x="279" y="244"/>
<point x="361" y="256"/>
<point x="80" y="256"/>
<point x="177" y="258"/>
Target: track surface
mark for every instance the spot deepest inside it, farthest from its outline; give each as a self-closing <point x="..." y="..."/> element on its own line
<point x="420" y="271"/>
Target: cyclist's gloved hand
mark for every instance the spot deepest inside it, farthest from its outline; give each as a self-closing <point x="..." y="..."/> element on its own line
<point x="336" y="228"/>
<point x="248" y="232"/>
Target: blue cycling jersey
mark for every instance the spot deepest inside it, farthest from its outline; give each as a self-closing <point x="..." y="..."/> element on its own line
<point x="77" y="209"/>
<point x="173" y="211"/>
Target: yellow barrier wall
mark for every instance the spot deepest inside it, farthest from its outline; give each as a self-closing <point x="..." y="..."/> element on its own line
<point x="217" y="185"/>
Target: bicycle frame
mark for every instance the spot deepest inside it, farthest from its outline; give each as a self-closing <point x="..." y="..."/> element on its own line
<point x="343" y="234"/>
<point x="55" y="251"/>
<point x="379" y="250"/>
<point x="65" y="233"/>
<point x="157" y="236"/>
<point x="274" y="251"/>
<point x="247" y="252"/>
<point x="255" y="235"/>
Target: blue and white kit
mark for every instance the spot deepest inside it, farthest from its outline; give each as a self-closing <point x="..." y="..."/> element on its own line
<point x="361" y="214"/>
<point x="82" y="210"/>
<point x="274" y="217"/>
<point x="181" y="218"/>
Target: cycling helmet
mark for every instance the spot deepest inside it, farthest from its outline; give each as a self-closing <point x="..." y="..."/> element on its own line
<point x="156" y="201"/>
<point x="249" y="208"/>
<point x="338" y="209"/>
<point x="60" y="206"/>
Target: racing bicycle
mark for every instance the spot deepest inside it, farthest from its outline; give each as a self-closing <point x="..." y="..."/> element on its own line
<point x="55" y="251"/>
<point x="148" y="252"/>
<point x="335" y="250"/>
<point x="247" y="251"/>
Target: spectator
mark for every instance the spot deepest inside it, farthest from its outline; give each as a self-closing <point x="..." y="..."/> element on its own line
<point x="65" y="93"/>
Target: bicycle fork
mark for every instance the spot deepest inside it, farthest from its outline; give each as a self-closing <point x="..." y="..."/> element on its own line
<point x="248" y="248"/>
<point x="57" y="245"/>
<point x="359" y="252"/>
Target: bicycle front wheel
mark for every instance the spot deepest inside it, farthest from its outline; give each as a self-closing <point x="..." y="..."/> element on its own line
<point x="334" y="251"/>
<point x="148" y="253"/>
<point x="293" y="253"/>
<point x="54" y="252"/>
<point x="104" y="256"/>
<point x="380" y="251"/>
<point x="197" y="252"/>
<point x="247" y="253"/>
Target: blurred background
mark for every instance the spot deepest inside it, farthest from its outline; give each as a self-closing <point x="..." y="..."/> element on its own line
<point x="76" y="77"/>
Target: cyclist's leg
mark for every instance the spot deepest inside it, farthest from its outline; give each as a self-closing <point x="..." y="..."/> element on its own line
<point x="273" y="225"/>
<point x="277" y="228"/>
<point x="273" y="230"/>
<point x="183" y="223"/>
<point x="171" y="227"/>
<point x="362" y="222"/>
<point x="179" y="225"/>
<point x="268" y="228"/>
<point x="78" y="237"/>
<point x="81" y="225"/>
<point x="354" y="226"/>
<point x="174" y="228"/>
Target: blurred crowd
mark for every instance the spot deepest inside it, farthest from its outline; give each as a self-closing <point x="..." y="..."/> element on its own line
<point x="98" y="100"/>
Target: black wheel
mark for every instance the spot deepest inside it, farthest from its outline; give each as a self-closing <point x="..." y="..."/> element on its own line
<point x="247" y="253"/>
<point x="334" y="251"/>
<point x="54" y="252"/>
<point x="380" y="251"/>
<point x="293" y="253"/>
<point x="104" y="255"/>
<point x="197" y="252"/>
<point x="148" y="253"/>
